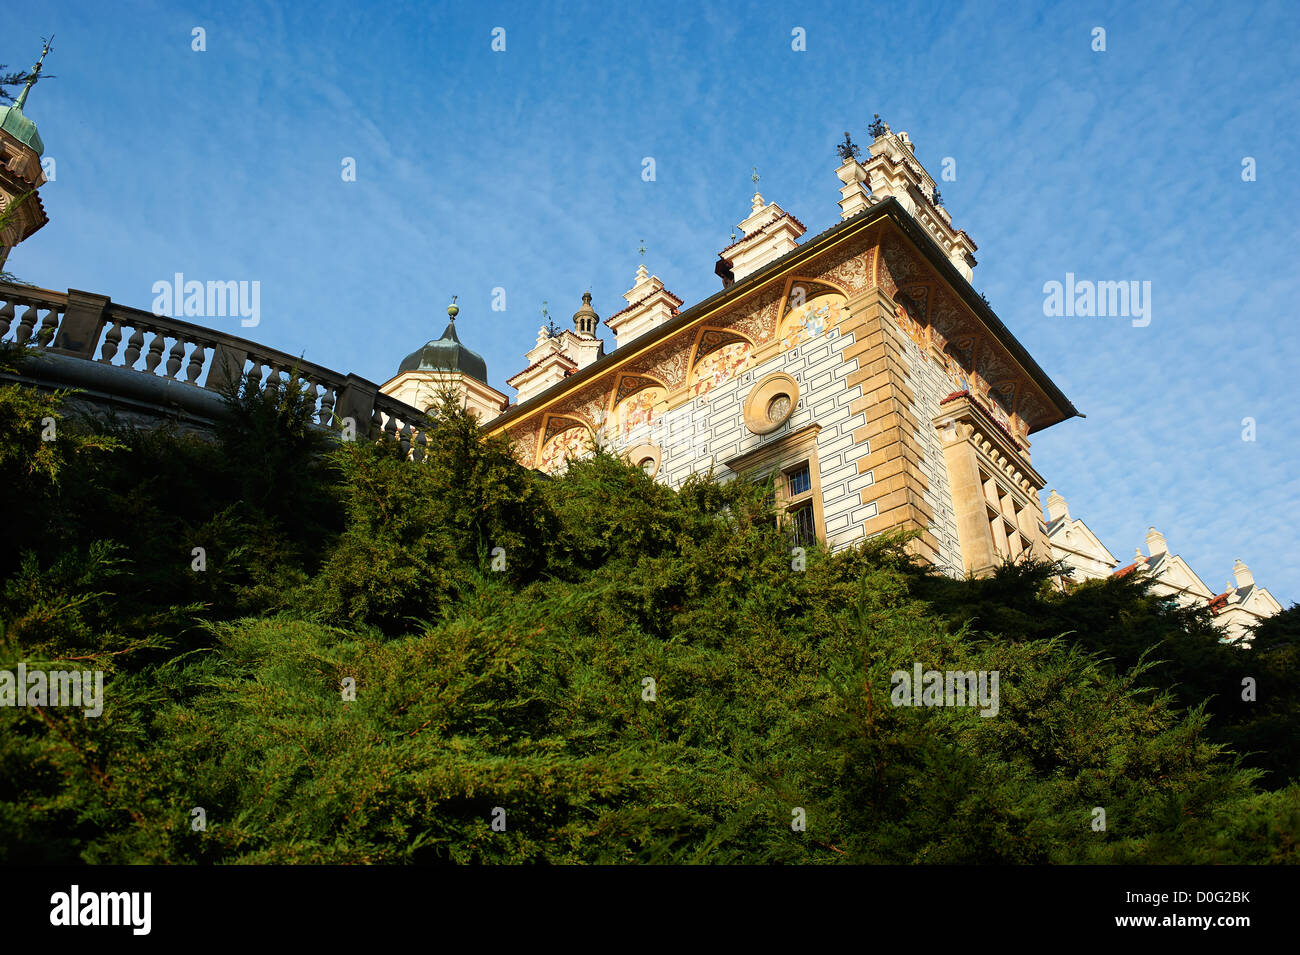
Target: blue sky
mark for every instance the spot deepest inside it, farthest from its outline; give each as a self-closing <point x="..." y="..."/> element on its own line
<point x="522" y="170"/>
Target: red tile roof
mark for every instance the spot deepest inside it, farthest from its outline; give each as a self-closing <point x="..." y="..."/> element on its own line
<point x="545" y="359"/>
<point x="640" y="302"/>
<point x="783" y="215"/>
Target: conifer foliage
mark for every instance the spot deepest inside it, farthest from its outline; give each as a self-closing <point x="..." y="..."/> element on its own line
<point x="459" y="660"/>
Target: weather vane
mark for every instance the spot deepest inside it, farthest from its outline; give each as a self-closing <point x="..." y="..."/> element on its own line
<point x="642" y="250"/>
<point x="847" y="149"/>
<point x="754" y="177"/>
<point x="550" y="322"/>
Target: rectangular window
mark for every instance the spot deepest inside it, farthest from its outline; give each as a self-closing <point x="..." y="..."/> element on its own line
<point x="794" y="491"/>
<point x="799" y="480"/>
<point x="804" y="526"/>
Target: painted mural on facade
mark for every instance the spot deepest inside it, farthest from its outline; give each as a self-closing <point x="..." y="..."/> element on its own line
<point x="718" y="366"/>
<point x="568" y="445"/>
<point x="815" y="317"/>
<point x="636" y="413"/>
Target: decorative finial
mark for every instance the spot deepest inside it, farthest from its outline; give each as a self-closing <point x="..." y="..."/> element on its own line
<point x="586" y="297"/>
<point x="878" y="127"/>
<point x="36" y="72"/>
<point x="847" y="149"/>
<point x="754" y="177"/>
<point x="641" y="250"/>
<point x="453" y="309"/>
<point x="550" y="322"/>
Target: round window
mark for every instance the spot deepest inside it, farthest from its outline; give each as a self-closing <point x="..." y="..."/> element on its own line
<point x="771" y="402"/>
<point x="777" y="407"/>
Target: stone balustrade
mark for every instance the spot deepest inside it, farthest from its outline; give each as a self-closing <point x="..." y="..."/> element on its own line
<point x="80" y="325"/>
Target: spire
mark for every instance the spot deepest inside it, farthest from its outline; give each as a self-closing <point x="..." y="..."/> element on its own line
<point x="31" y="80"/>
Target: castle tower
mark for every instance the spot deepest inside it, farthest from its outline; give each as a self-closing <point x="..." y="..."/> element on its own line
<point x="445" y="362"/>
<point x="21" y="212"/>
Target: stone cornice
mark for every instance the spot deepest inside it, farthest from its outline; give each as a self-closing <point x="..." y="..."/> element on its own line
<point x="962" y="419"/>
<point x="826" y="242"/>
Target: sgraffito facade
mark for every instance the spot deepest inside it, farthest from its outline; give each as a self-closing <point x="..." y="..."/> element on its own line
<point x="858" y="368"/>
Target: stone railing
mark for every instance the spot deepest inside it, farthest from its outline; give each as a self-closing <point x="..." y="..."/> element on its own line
<point x="172" y="352"/>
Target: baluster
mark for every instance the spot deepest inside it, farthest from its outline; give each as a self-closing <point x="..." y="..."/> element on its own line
<point x="112" y="339"/>
<point x="49" y="325"/>
<point x="376" y="429"/>
<point x="421" y="449"/>
<point x="25" y="326"/>
<point x="307" y="388"/>
<point x="390" y="429"/>
<point x="174" y="357"/>
<point x="6" y="318"/>
<point x="254" y="377"/>
<point x="155" y="352"/>
<point x="197" y="357"/>
<point x="326" y="415"/>
<point x="133" y="346"/>
<point x="404" y="441"/>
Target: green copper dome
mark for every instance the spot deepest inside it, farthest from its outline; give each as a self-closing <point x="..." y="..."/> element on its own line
<point x="446" y="354"/>
<point x="13" y="122"/>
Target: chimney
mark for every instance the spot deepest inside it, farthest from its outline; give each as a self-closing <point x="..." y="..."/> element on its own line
<point x="853" y="196"/>
<point x="770" y="232"/>
<point x="649" y="305"/>
<point x="1056" y="507"/>
<point x="1156" y="543"/>
<point x="1242" y="575"/>
<point x="893" y="170"/>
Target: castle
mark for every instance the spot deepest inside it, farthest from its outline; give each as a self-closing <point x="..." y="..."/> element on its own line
<point x="858" y="369"/>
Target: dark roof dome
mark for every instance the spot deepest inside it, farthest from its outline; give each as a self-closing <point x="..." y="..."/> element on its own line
<point x="446" y="354"/>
